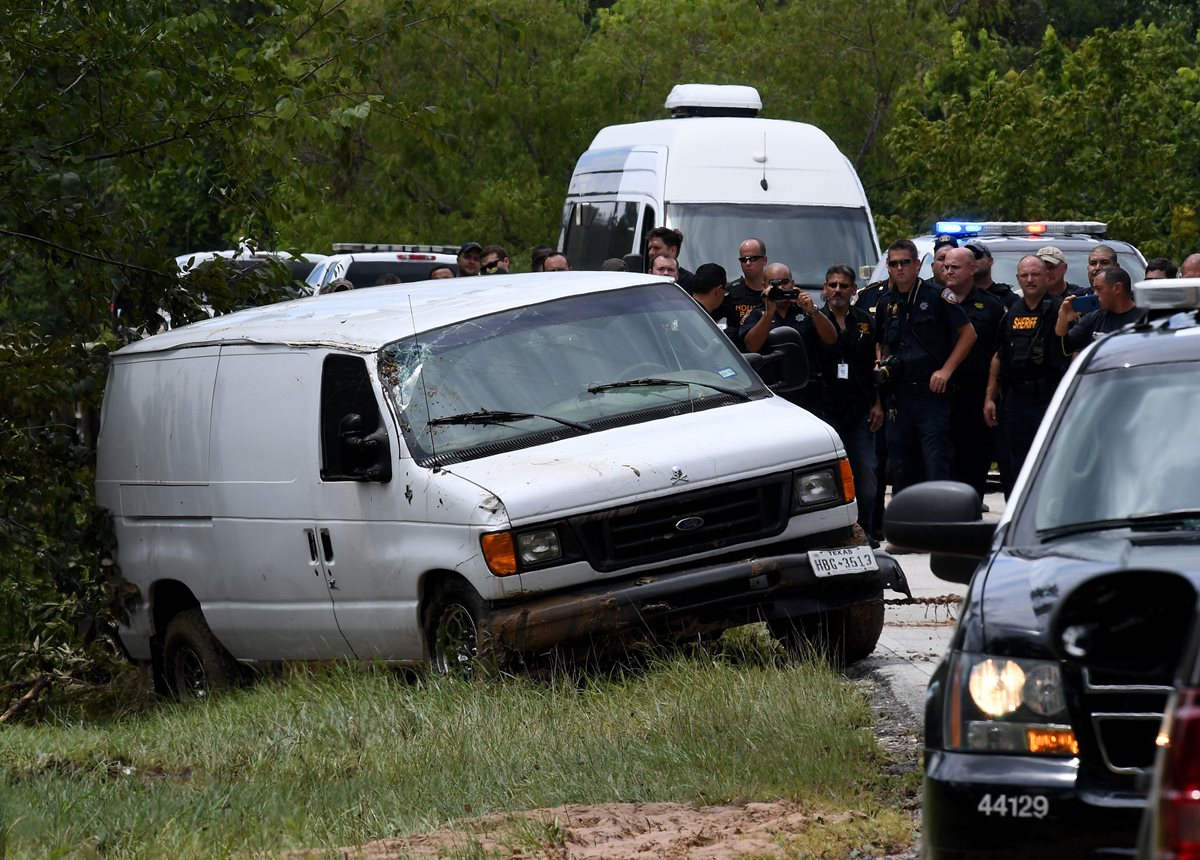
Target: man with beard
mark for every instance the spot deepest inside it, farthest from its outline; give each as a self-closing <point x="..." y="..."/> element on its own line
<point x="851" y="401"/>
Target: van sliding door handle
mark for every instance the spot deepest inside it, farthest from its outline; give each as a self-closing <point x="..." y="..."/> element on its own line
<point x="312" y="543"/>
<point x="327" y="546"/>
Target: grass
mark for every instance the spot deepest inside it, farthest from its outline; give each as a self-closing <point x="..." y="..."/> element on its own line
<point x="348" y="755"/>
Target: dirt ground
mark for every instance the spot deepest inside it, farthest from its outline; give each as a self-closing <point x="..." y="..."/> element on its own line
<point x="659" y="831"/>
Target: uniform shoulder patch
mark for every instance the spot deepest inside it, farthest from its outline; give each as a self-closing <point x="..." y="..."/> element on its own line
<point x="948" y="295"/>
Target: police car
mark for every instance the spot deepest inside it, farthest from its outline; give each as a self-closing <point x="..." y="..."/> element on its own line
<point x="363" y="264"/>
<point x="1009" y="241"/>
<point x="1026" y="755"/>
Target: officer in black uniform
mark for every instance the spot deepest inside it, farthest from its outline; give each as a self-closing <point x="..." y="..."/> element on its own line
<point x="852" y="405"/>
<point x="924" y="336"/>
<point x="868" y="299"/>
<point x="973" y="440"/>
<point x="1025" y="370"/>
<point x="746" y="292"/>
<point x="797" y="311"/>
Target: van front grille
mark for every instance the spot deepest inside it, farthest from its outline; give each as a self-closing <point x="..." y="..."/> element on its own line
<point x="680" y="525"/>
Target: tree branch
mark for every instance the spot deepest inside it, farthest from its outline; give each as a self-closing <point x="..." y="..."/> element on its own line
<point x="77" y="253"/>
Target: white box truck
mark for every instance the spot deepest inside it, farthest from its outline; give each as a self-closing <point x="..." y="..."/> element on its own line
<point x="478" y="471"/>
<point x="719" y="173"/>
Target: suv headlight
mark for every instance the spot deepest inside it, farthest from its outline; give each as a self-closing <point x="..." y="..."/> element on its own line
<point x="1007" y="705"/>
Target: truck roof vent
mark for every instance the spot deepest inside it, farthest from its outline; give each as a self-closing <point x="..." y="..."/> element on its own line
<point x="713" y="100"/>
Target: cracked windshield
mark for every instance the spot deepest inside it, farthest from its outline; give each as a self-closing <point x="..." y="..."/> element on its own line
<point x="572" y="366"/>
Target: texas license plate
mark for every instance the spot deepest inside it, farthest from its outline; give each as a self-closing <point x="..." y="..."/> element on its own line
<point x="834" y="562"/>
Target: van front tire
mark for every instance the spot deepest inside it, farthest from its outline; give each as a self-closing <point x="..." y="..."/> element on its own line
<point x="457" y="647"/>
<point x="844" y="636"/>
<point x="195" y="664"/>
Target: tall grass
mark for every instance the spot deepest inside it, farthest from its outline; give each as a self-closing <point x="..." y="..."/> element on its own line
<point x="349" y="755"/>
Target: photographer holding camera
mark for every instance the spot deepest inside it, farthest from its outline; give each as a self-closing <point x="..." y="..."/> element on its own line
<point x="785" y="305"/>
<point x="923" y="335"/>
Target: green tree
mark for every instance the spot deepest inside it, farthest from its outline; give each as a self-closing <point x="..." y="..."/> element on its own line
<point x="130" y="129"/>
<point x="1106" y="131"/>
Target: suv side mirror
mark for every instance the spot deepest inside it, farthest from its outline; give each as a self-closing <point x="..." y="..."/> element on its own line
<point x="783" y="363"/>
<point x="364" y="455"/>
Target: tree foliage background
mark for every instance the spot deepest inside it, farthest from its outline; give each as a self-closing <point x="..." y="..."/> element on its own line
<point x="134" y="132"/>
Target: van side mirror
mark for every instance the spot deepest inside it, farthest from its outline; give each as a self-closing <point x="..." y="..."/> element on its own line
<point x="634" y="263"/>
<point x="364" y="455"/>
<point x="1125" y="621"/>
<point x="783" y="362"/>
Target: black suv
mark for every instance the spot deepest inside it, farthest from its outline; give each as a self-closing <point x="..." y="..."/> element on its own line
<point x="1025" y="755"/>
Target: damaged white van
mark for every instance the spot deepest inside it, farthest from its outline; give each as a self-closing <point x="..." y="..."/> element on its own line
<point x="471" y="475"/>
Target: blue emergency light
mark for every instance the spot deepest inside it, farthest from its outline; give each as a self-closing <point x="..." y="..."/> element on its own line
<point x="957" y="228"/>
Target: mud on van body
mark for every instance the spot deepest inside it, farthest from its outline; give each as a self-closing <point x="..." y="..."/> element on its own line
<point x="416" y="473"/>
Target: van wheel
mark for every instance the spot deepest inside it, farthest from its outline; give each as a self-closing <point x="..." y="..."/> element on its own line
<point x="843" y="636"/>
<point x="195" y="664"/>
<point x="452" y="631"/>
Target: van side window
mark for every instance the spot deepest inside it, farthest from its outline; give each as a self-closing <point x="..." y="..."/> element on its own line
<point x="353" y="436"/>
<point x="599" y="230"/>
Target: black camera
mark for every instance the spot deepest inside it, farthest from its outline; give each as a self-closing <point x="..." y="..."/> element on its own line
<point x="775" y="294"/>
<point x="888" y="371"/>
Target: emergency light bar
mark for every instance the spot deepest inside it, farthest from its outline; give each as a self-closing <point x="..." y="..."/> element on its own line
<point x="1019" y="228"/>
<point x="362" y="247"/>
<point x="1178" y="294"/>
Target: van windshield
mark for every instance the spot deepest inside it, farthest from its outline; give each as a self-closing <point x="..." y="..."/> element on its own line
<point x="809" y="239"/>
<point x="549" y="371"/>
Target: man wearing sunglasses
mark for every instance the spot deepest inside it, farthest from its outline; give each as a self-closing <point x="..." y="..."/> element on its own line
<point x="852" y="405"/>
<point x="494" y="261"/>
<point x="923" y="337"/>
<point x="746" y="292"/>
<point x="783" y="304"/>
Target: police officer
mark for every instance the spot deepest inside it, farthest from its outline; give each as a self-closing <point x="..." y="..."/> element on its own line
<point x="851" y="405"/>
<point x="785" y="305"/>
<point x="1025" y="369"/>
<point x="973" y="440"/>
<point x="1003" y="293"/>
<point x="923" y="336"/>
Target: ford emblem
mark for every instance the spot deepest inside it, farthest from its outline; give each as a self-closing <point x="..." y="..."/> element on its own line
<point x="689" y="524"/>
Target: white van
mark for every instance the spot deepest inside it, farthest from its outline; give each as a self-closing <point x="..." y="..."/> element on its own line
<point x="720" y="174"/>
<point x="476" y="472"/>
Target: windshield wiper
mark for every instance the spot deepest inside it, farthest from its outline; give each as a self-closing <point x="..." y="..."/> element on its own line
<point x="1161" y="521"/>
<point x="499" y="416"/>
<point x="657" y="380"/>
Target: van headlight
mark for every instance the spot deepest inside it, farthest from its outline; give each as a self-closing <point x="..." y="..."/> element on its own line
<point x="816" y="487"/>
<point x="538" y="547"/>
<point x="1007" y="705"/>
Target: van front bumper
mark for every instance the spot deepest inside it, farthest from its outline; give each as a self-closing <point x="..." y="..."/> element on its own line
<point x="684" y="603"/>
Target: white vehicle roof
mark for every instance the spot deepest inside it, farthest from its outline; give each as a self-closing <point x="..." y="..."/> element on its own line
<point x="365" y="320"/>
<point x="185" y="262"/>
<point x="722" y="159"/>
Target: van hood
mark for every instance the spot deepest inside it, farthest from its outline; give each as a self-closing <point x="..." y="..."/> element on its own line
<point x="655" y="458"/>
<point x="1023" y="586"/>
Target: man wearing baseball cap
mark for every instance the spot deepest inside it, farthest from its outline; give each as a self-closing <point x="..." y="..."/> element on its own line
<point x="1056" y="271"/>
<point x="942" y="246"/>
<point x="983" y="275"/>
<point x="470" y="259"/>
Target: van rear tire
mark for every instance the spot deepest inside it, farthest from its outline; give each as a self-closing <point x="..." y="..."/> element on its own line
<point x="457" y="645"/>
<point x="195" y="664"/>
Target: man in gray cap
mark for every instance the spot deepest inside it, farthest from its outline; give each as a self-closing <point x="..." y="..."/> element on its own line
<point x="983" y="275"/>
<point x="1056" y="272"/>
<point x="470" y="259"/>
